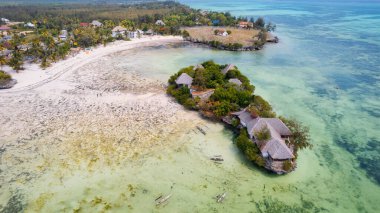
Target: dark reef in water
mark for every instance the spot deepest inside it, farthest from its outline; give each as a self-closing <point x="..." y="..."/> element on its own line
<point x="13" y="205"/>
<point x="368" y="155"/>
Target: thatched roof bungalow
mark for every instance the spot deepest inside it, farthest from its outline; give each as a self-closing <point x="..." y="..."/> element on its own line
<point x="275" y="147"/>
<point x="184" y="80"/>
<point x="228" y="68"/>
<point x="198" y="66"/>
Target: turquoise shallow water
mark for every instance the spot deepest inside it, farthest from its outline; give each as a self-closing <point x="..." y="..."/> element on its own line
<point x="324" y="72"/>
<point x="330" y="49"/>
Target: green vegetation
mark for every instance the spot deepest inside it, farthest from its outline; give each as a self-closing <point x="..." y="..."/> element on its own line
<point x="4" y="76"/>
<point x="229" y="97"/>
<point x="300" y="134"/>
<point x="263" y="134"/>
<point x="43" y="44"/>
<point x="250" y="150"/>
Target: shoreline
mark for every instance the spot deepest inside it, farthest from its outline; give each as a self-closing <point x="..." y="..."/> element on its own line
<point x="34" y="76"/>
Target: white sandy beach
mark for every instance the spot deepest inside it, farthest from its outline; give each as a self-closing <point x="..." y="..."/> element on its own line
<point x="83" y="113"/>
<point x="33" y="76"/>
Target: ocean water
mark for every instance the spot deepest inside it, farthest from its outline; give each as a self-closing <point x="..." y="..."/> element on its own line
<point x="324" y="72"/>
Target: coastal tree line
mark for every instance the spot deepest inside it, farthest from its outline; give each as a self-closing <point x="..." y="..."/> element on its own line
<point x="44" y="46"/>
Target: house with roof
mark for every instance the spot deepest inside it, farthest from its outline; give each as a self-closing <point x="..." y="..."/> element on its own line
<point x="96" y="23"/>
<point x="198" y="66"/>
<point x="160" y="23"/>
<point x="132" y="34"/>
<point x="5" y="20"/>
<point x="228" y="68"/>
<point x="245" y="24"/>
<point x="275" y="148"/>
<point x="84" y="24"/>
<point x="118" y="31"/>
<point x="29" y="25"/>
<point x="235" y="81"/>
<point x="184" y="80"/>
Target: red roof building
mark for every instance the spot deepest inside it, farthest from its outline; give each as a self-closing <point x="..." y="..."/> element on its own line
<point x="84" y="24"/>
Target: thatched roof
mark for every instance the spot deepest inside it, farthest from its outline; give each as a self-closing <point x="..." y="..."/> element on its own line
<point x="96" y="23"/>
<point x="119" y="29"/>
<point x="160" y="22"/>
<point x="235" y="81"/>
<point x="228" y="68"/>
<point x="184" y="79"/>
<point x="275" y="146"/>
<point x="198" y="66"/>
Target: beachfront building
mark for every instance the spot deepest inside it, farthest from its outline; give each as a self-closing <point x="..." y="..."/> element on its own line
<point x="228" y="68"/>
<point x="5" y="20"/>
<point x="84" y="24"/>
<point x="96" y="23"/>
<point x="198" y="66"/>
<point x="118" y="31"/>
<point x="245" y="25"/>
<point x="274" y="150"/>
<point x="132" y="34"/>
<point x="160" y="23"/>
<point x="184" y="80"/>
<point x="29" y="25"/>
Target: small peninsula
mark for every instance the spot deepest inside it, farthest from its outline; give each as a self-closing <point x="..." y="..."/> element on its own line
<point x="223" y="93"/>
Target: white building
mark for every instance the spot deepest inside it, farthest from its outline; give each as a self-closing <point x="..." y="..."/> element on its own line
<point x="118" y="31"/>
<point x="5" y="20"/>
<point x="29" y="24"/>
<point x="96" y="23"/>
<point x="160" y="23"/>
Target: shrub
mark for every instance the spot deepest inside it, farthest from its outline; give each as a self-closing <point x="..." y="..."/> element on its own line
<point x="249" y="149"/>
<point x="4" y="75"/>
<point x="300" y="134"/>
<point x="263" y="134"/>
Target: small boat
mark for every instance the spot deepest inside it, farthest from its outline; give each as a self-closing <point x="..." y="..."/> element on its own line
<point x="220" y="198"/>
<point x="159" y="197"/>
<point x="217" y="158"/>
<point x="161" y="200"/>
<point x="201" y="130"/>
